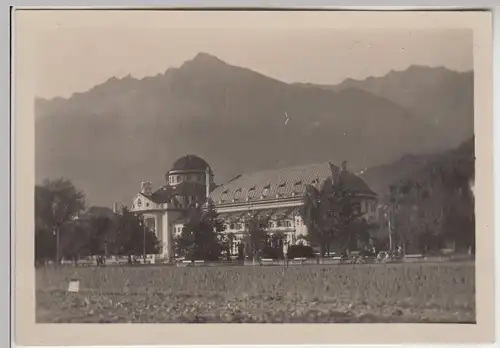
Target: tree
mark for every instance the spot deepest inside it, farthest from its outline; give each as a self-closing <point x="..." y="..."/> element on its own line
<point x="344" y="216"/>
<point x="56" y="202"/>
<point x="199" y="239"/>
<point x="256" y="237"/>
<point x="101" y="236"/>
<point x="313" y="214"/>
<point x="226" y="241"/>
<point x="333" y="216"/>
<point x="133" y="237"/>
<point x="74" y="240"/>
<point x="436" y="205"/>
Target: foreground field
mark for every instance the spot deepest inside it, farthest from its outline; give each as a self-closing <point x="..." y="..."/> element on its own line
<point x="362" y="293"/>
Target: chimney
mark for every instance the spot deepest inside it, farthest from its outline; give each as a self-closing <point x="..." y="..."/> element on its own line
<point x="115" y="208"/>
<point x="207" y="183"/>
<point x="344" y="166"/>
<point x="146" y="187"/>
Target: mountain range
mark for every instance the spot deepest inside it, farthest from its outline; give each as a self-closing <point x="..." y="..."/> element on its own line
<point x="124" y="131"/>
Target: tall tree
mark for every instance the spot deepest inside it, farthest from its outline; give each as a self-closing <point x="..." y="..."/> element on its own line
<point x="74" y="241"/>
<point x="313" y="214"/>
<point x="133" y="237"/>
<point x="333" y="216"/>
<point x="56" y="202"/>
<point x="101" y="236"/>
<point x="199" y="239"/>
<point x="226" y="240"/>
<point x="256" y="236"/>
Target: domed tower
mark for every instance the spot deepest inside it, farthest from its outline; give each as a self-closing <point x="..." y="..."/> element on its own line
<point x="193" y="172"/>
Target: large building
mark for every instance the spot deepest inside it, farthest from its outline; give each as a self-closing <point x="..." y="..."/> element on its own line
<point x="276" y="194"/>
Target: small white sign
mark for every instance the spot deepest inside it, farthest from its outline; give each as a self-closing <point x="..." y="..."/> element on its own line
<point x="74" y="285"/>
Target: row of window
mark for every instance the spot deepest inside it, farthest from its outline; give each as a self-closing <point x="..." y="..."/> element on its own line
<point x="180" y="202"/>
<point x="176" y="179"/>
<point x="271" y="224"/>
<point x="298" y="187"/>
<point x="368" y="207"/>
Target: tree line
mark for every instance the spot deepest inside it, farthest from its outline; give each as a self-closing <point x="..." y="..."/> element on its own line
<point x="422" y="214"/>
<point x="331" y="214"/>
<point x="434" y="209"/>
<point x="62" y="232"/>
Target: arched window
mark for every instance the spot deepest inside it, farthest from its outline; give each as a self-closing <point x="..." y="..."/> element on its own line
<point x="251" y="192"/>
<point x="237" y="194"/>
<point x="265" y="191"/>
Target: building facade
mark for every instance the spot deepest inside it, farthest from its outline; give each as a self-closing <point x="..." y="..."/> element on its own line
<point x="274" y="194"/>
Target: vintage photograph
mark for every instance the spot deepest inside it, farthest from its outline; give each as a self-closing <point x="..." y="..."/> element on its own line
<point x="254" y="175"/>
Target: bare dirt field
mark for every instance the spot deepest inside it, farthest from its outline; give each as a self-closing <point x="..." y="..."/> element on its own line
<point x="416" y="292"/>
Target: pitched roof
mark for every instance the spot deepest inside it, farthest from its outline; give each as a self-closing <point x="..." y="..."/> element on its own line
<point x="166" y="193"/>
<point x="285" y="182"/>
<point x="162" y="195"/>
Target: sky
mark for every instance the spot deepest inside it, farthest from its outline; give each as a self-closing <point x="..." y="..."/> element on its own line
<point x="75" y="56"/>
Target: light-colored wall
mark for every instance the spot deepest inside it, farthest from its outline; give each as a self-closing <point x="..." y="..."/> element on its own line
<point x="179" y="177"/>
<point x="141" y="203"/>
<point x="297" y="228"/>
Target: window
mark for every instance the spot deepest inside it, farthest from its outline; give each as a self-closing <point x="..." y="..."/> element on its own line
<point x="279" y="223"/>
<point x="232" y="226"/>
<point x="265" y="191"/>
<point x="147" y="204"/>
<point x="237" y="194"/>
<point x="251" y="192"/>
<point x="288" y="223"/>
<point x="238" y="227"/>
<point x="139" y="203"/>
<point x="281" y="188"/>
<point x="297" y="186"/>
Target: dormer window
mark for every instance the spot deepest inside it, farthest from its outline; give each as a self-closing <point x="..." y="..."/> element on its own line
<point x="251" y="192"/>
<point x="281" y="189"/>
<point x="237" y="194"/>
<point x="297" y="187"/>
<point x="223" y="197"/>
<point x="265" y="191"/>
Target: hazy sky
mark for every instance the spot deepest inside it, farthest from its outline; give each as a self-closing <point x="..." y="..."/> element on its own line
<point x="74" y="58"/>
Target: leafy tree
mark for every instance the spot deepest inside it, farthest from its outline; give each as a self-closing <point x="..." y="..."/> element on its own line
<point x="133" y="237"/>
<point x="74" y="240"/>
<point x="101" y="236"/>
<point x="45" y="245"/>
<point x="344" y="216"/>
<point x="226" y="241"/>
<point x="313" y="214"/>
<point x="275" y="244"/>
<point x="436" y="204"/>
<point x="56" y="202"/>
<point x="199" y="239"/>
<point x="333" y="217"/>
<point x="256" y="237"/>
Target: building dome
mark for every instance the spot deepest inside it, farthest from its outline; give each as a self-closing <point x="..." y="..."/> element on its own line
<point x="190" y="162"/>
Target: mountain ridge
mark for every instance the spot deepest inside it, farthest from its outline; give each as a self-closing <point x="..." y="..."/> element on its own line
<point x="126" y="130"/>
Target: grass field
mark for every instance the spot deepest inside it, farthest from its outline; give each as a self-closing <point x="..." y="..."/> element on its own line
<point x="438" y="292"/>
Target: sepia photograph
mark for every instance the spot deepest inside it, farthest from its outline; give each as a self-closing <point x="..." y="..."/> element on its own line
<point x="190" y="173"/>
